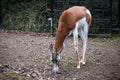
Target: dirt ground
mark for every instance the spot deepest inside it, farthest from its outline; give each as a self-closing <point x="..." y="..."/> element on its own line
<point x="25" y="56"/>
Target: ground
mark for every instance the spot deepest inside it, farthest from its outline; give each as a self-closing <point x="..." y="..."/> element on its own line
<point x="25" y="56"/>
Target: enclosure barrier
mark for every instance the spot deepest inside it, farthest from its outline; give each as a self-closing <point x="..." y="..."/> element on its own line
<point x="42" y="16"/>
<point x="101" y="11"/>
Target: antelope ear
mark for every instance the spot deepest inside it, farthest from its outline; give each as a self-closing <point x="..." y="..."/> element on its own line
<point x="51" y="48"/>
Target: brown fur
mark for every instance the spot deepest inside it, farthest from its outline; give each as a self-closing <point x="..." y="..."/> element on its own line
<point x="67" y="22"/>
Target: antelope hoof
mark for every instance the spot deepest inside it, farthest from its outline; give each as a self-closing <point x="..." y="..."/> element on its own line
<point x="82" y="62"/>
<point x="78" y="67"/>
<point x="56" y="69"/>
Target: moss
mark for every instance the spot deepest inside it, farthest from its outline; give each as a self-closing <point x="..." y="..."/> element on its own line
<point x="65" y="65"/>
<point x="20" y="78"/>
<point x="11" y="75"/>
<point x="114" y="37"/>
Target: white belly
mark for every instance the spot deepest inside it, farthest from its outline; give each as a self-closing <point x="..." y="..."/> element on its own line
<point x="80" y="24"/>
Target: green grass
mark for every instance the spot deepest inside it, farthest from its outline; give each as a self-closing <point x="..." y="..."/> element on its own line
<point x="11" y="75"/>
<point x="114" y="36"/>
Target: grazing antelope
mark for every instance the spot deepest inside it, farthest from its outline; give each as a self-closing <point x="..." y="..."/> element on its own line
<point x="74" y="20"/>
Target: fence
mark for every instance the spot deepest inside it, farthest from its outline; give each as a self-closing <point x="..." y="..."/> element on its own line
<point x="101" y="11"/>
<point x="36" y="15"/>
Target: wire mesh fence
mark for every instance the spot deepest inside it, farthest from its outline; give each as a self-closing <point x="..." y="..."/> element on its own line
<point x="42" y="16"/>
<point x="100" y="10"/>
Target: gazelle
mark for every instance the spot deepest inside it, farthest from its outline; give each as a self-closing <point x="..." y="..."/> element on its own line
<point x="76" y="20"/>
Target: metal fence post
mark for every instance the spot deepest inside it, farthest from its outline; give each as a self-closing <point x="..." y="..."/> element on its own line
<point x="110" y="17"/>
<point x="52" y="5"/>
<point x="51" y="25"/>
<point x="0" y="16"/>
<point x="119" y="16"/>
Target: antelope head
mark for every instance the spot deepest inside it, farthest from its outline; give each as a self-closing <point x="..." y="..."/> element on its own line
<point x="55" y="58"/>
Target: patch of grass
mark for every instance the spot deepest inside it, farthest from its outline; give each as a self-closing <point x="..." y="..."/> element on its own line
<point x="41" y="58"/>
<point x="20" y="78"/>
<point x="114" y="36"/>
<point x="65" y="65"/>
<point x="11" y="75"/>
<point x="98" y="38"/>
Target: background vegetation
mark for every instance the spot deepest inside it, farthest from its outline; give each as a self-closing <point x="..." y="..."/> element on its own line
<point x="28" y="15"/>
<point x="31" y="15"/>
